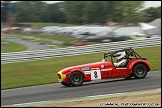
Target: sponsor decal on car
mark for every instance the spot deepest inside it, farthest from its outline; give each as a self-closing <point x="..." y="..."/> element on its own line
<point x="94" y="68"/>
<point x="107" y="69"/>
<point x="102" y="66"/>
<point x="86" y="68"/>
<point x="87" y="72"/>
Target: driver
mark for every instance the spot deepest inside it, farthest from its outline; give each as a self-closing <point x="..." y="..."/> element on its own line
<point x="121" y="59"/>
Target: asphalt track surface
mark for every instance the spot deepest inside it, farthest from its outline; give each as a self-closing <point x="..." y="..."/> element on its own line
<point x="57" y="91"/>
<point x="31" y="45"/>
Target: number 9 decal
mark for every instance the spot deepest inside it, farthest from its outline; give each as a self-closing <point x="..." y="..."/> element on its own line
<point x="95" y="74"/>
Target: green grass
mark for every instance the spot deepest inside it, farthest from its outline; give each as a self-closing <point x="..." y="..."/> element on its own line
<point x="54" y="45"/>
<point x="44" y="71"/>
<point x="153" y="55"/>
<point x="59" y="38"/>
<point x="38" y="25"/>
<point x="12" y="47"/>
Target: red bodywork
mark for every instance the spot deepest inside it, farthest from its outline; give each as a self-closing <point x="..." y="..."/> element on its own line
<point x="101" y="70"/>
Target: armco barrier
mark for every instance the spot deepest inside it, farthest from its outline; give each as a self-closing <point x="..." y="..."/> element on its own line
<point x="78" y="50"/>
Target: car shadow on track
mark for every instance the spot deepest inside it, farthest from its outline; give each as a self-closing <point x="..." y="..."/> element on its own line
<point x="110" y="81"/>
<point x="105" y="81"/>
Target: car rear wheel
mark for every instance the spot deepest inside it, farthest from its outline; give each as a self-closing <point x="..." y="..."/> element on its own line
<point x="139" y="71"/>
<point x="76" y="78"/>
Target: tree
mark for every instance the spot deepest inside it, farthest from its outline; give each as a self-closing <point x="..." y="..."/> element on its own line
<point x="53" y="13"/>
<point x="114" y="11"/>
<point x="94" y="12"/>
<point x="151" y="13"/>
<point x="130" y="9"/>
<point x="29" y="10"/>
<point x="79" y="12"/>
<point x="74" y="11"/>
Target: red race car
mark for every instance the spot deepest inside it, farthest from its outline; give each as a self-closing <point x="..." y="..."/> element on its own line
<point x="125" y="63"/>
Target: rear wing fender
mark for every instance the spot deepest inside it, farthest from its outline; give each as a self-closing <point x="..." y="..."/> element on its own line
<point x="132" y="63"/>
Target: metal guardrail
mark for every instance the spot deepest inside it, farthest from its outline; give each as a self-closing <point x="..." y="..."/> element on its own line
<point x="78" y="50"/>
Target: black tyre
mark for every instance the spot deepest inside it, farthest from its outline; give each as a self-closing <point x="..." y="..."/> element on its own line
<point x="76" y="78"/>
<point x="139" y="71"/>
<point x="65" y="84"/>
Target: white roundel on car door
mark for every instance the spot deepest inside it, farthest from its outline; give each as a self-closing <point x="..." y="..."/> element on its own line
<point x="95" y="74"/>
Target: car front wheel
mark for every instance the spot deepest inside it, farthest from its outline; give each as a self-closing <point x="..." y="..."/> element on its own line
<point x="139" y="71"/>
<point x="76" y="78"/>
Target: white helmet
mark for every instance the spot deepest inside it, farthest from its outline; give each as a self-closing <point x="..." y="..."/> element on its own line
<point x="120" y="55"/>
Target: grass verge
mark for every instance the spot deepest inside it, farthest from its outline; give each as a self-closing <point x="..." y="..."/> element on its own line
<point x="12" y="47"/>
<point x="58" y="38"/>
<point x="44" y="71"/>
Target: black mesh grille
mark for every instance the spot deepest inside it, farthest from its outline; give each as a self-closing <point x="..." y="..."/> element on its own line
<point x="59" y="76"/>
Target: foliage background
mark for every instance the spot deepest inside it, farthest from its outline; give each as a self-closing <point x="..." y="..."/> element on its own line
<point x="84" y="12"/>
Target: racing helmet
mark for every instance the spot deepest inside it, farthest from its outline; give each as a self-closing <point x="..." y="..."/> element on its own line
<point x="120" y="55"/>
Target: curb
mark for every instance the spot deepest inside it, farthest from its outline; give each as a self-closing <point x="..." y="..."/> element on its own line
<point x="96" y="97"/>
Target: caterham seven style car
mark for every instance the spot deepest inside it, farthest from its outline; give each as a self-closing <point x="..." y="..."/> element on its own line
<point x="124" y="63"/>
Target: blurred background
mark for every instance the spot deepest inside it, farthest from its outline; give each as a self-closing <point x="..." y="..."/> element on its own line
<point x="84" y="22"/>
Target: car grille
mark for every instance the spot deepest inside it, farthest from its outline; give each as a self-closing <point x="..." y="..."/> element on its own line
<point x="59" y="76"/>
